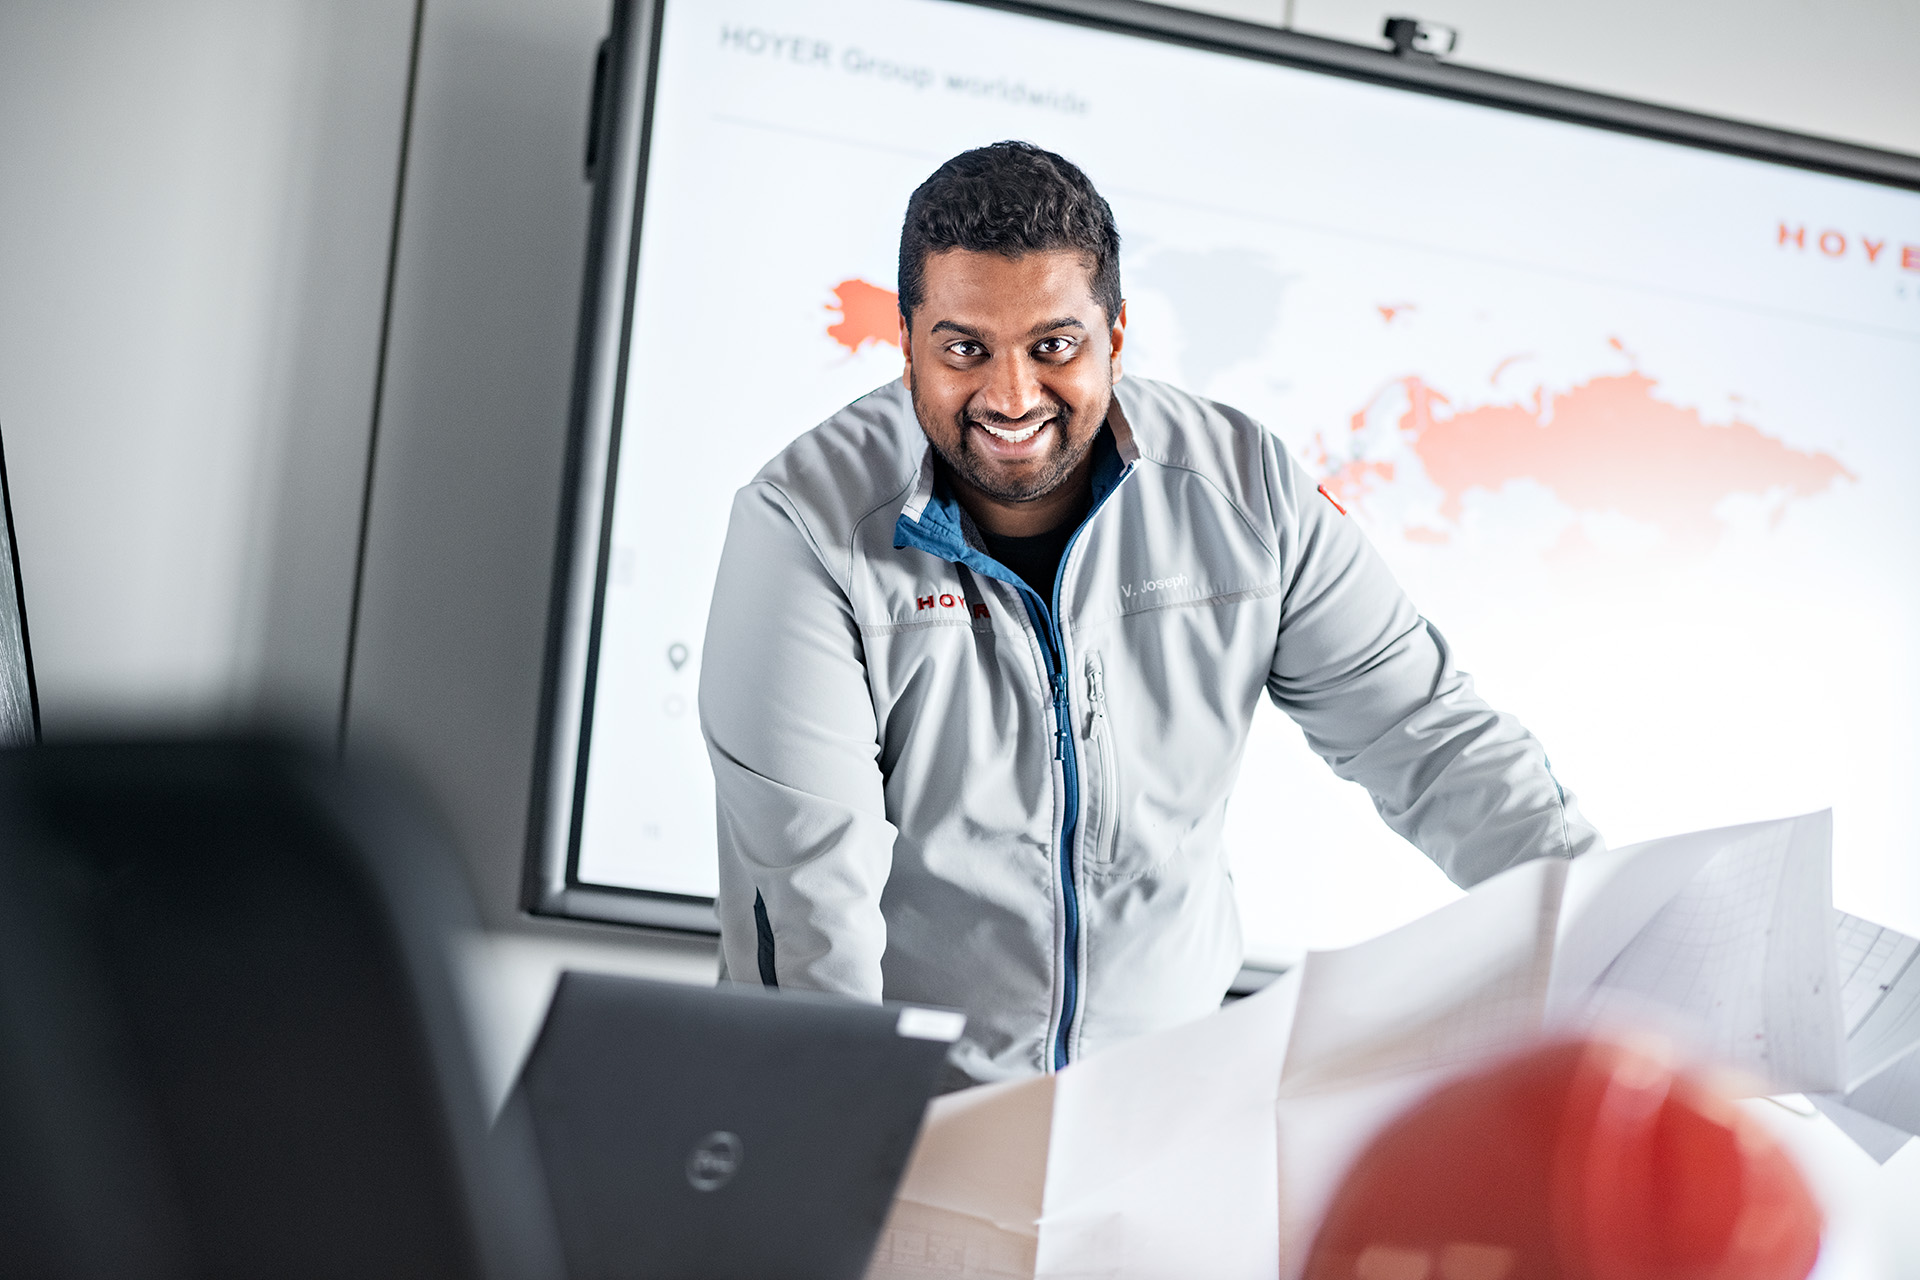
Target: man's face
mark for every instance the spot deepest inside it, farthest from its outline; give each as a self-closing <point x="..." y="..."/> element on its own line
<point x="1011" y="364"/>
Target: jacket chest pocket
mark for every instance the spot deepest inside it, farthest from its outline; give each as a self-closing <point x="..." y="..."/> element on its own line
<point x="1102" y="801"/>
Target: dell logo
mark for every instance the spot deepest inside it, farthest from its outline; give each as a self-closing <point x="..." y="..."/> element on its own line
<point x="714" y="1160"/>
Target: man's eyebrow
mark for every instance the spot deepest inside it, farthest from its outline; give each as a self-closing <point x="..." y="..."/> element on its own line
<point x="1045" y="326"/>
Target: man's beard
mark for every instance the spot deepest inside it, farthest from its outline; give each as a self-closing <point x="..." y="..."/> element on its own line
<point x="1056" y="465"/>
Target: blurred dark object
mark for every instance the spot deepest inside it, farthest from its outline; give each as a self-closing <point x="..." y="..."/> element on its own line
<point x="1412" y="36"/>
<point x="1577" y="1161"/>
<point x="230" y="1043"/>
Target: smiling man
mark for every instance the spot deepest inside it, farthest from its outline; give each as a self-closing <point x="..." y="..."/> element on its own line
<point x="985" y="647"/>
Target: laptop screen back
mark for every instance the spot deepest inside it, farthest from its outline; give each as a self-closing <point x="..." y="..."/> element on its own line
<point x="689" y="1132"/>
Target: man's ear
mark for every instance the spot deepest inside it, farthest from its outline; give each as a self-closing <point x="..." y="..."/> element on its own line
<point x="1117" y="338"/>
<point x="906" y="352"/>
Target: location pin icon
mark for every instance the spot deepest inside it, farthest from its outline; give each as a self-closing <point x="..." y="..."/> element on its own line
<point x="677" y="655"/>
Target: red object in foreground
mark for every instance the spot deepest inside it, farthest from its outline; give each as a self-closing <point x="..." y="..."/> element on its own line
<point x="1576" y="1161"/>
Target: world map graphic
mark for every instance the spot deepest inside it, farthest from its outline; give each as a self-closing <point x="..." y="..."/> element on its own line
<point x="1607" y="445"/>
<point x="1411" y="456"/>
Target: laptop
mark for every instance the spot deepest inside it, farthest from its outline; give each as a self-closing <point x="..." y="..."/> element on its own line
<point x="729" y="1133"/>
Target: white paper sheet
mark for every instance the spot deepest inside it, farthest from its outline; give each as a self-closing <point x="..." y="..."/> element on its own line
<point x="920" y="1241"/>
<point x="1610" y="897"/>
<point x="1892" y="1094"/>
<point x="983" y="1152"/>
<point x="968" y="1206"/>
<point x="1151" y="1155"/>
<point x="1467" y="980"/>
<point x="1880" y="994"/>
<point x="1743" y="951"/>
<point x="1164" y="1151"/>
<point x="1875" y="1137"/>
<point x="1880" y="1004"/>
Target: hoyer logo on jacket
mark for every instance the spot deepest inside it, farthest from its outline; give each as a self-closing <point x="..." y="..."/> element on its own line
<point x="948" y="600"/>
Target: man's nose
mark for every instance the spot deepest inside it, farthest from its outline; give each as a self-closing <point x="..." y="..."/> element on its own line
<point x="1012" y="391"/>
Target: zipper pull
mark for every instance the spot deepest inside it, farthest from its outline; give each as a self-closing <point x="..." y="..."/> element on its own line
<point x="1096" y="692"/>
<point x="1060" y="714"/>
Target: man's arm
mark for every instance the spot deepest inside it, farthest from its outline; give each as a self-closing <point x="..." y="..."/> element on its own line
<point x="790" y="729"/>
<point x="1373" y="685"/>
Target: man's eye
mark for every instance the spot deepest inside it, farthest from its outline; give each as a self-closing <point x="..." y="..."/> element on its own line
<point x="966" y="350"/>
<point x="1053" y="346"/>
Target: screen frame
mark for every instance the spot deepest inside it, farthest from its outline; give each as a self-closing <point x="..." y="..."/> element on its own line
<point x="19" y="595"/>
<point x="620" y="123"/>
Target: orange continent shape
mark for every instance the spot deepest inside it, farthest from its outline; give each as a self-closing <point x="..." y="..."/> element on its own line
<point x="1609" y="444"/>
<point x="868" y="314"/>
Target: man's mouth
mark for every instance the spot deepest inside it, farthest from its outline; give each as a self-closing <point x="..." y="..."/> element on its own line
<point x="1012" y="435"/>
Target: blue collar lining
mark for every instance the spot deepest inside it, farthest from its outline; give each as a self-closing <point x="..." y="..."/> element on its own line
<point x="941" y="529"/>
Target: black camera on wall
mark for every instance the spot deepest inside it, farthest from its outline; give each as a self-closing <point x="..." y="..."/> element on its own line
<point x="1410" y="35"/>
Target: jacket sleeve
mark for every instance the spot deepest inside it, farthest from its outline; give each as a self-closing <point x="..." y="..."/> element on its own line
<point x="1374" y="687"/>
<point x="804" y="841"/>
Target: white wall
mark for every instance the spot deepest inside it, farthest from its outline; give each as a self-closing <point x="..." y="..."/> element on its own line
<point x="195" y="201"/>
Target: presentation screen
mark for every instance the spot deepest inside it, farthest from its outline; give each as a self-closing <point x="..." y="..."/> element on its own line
<point x="1634" y="422"/>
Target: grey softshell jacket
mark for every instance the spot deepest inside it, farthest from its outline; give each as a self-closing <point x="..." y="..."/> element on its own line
<point x="938" y="787"/>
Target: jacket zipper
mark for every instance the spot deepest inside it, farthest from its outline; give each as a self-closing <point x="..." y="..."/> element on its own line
<point x="1053" y="650"/>
<point x="1063" y="743"/>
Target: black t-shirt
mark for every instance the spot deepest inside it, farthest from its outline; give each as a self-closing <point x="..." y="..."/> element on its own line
<point x="1036" y="559"/>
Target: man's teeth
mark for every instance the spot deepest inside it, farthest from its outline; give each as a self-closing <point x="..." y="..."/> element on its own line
<point x="1014" y="437"/>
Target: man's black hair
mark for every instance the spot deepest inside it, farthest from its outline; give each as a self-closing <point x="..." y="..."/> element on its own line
<point x="1011" y="198"/>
